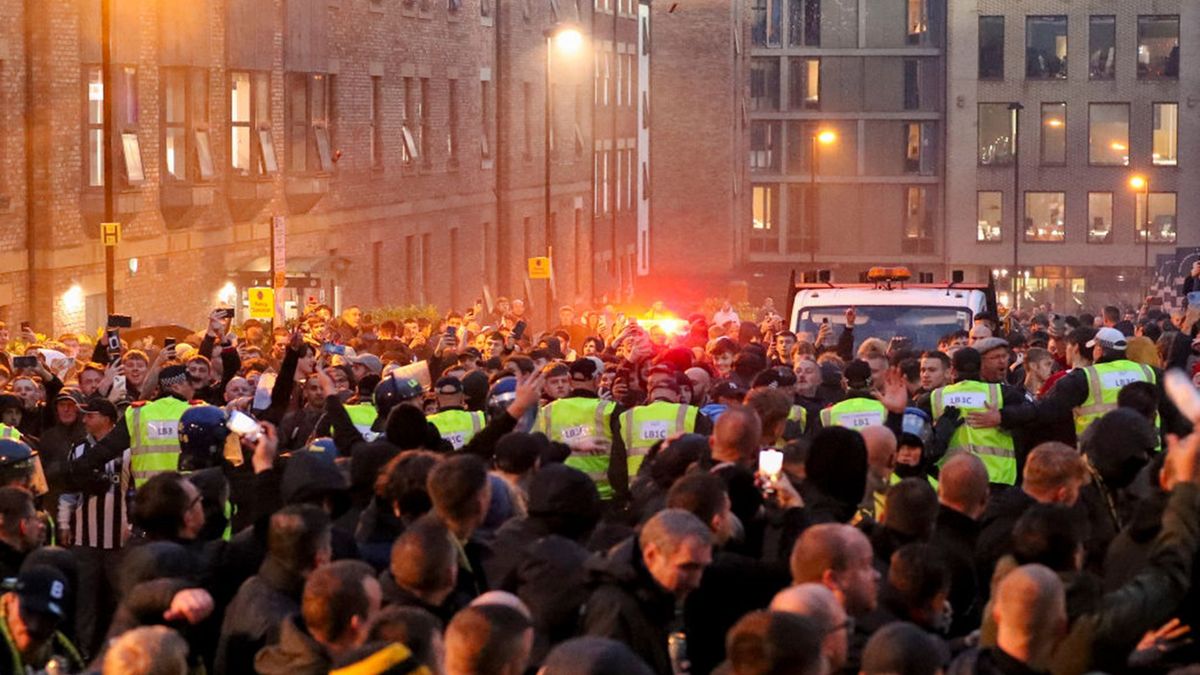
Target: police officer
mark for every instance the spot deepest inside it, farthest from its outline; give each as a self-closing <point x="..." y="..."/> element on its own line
<point x="784" y="380"/>
<point x="590" y="427"/>
<point x="860" y="408"/>
<point x="970" y="394"/>
<point x="454" y="422"/>
<point x="154" y="426"/>
<point x="31" y="614"/>
<point x="662" y="417"/>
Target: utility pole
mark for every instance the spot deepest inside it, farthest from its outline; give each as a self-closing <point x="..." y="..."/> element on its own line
<point x="110" y="173"/>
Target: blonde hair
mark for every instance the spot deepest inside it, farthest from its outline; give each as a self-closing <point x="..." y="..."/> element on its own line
<point x="150" y="650"/>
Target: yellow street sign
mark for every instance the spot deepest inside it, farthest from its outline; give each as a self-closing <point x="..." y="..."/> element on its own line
<point x="262" y="303"/>
<point x="539" y="268"/>
<point x="110" y="233"/>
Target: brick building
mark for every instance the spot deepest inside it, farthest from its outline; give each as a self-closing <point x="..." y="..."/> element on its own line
<point x="388" y="133"/>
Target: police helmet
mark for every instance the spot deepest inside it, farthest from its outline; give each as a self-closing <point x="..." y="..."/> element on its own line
<point x="503" y="392"/>
<point x="14" y="452"/>
<point x="202" y="434"/>
<point x="916" y="428"/>
<point x="393" y="390"/>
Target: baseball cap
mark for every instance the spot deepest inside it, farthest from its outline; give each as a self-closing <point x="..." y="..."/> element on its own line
<point x="100" y="406"/>
<point x="42" y="589"/>
<point x="72" y="394"/>
<point x="449" y="386"/>
<point x="727" y="389"/>
<point x="988" y="344"/>
<point x="1109" y="338"/>
<point x="368" y="361"/>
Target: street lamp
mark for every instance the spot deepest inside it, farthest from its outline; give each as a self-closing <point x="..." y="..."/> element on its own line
<point x="1139" y="183"/>
<point x="826" y="137"/>
<point x="1018" y="229"/>
<point x="568" y="39"/>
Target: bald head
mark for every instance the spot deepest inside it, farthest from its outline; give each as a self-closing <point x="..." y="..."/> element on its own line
<point x="881" y="450"/>
<point x="840" y="558"/>
<point x="1030" y="613"/>
<point x="818" y="603"/>
<point x="736" y="435"/>
<point x="963" y="485"/>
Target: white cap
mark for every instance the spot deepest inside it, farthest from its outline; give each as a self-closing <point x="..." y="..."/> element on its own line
<point x="1109" y="338"/>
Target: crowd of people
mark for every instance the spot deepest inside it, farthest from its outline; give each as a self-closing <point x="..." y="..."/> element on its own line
<point x="610" y="495"/>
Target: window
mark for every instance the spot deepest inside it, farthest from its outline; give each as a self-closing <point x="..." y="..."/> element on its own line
<point x="1045" y="216"/>
<point x="580" y="104"/>
<point x="1100" y="217"/>
<point x="485" y="12"/>
<point x="485" y="135"/>
<point x="1102" y="47"/>
<point x="990" y="207"/>
<point x="185" y="124"/>
<point x="764" y="84"/>
<point x="764" y="146"/>
<point x="919" y="154"/>
<point x="1054" y="133"/>
<point x="604" y="189"/>
<point x="1158" y="48"/>
<point x="252" y="151"/>
<point x="1108" y="134"/>
<point x="606" y="82"/>
<point x="991" y="48"/>
<point x="996" y="137"/>
<point x="918" y="22"/>
<point x="408" y="146"/>
<point x="374" y="110"/>
<point x="423" y="123"/>
<point x="804" y="23"/>
<point x="1166" y="134"/>
<point x="804" y="83"/>
<point x="94" y="101"/>
<point x="1162" y="217"/>
<point x="767" y="18"/>
<point x="764" y="223"/>
<point x="527" y="121"/>
<point x="618" y="180"/>
<point x="126" y="114"/>
<point x="308" y="123"/>
<point x="1046" y="47"/>
<point x="452" y="122"/>
<point x="918" y="220"/>
<point x="912" y="84"/>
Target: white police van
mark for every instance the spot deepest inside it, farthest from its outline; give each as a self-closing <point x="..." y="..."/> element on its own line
<point x="887" y="307"/>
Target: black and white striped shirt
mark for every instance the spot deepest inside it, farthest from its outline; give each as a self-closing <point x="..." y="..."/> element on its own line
<point x="98" y="520"/>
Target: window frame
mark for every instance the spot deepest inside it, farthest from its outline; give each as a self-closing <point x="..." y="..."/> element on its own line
<point x="313" y="125"/>
<point x="1042" y="134"/>
<point x="1063" y="72"/>
<point x="1139" y="219"/>
<point x="1111" y="19"/>
<point x="1153" y="140"/>
<point x="195" y="128"/>
<point x="260" y="145"/>
<point x="996" y="77"/>
<point x="1025" y="215"/>
<point x="1108" y="235"/>
<point x="1143" y="75"/>
<point x="1008" y="157"/>
<point x="999" y="235"/>
<point x="769" y="237"/>
<point x="1128" y="114"/>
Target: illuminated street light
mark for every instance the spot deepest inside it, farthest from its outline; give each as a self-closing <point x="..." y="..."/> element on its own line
<point x="1054" y="122"/>
<point x="567" y="39"/>
<point x="1140" y="183"/>
<point x="826" y="137"/>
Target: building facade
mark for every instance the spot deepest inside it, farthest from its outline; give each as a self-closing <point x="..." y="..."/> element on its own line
<point x="1105" y="94"/>
<point x="403" y="143"/>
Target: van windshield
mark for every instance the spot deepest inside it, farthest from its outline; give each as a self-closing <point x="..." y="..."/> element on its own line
<point x="923" y="326"/>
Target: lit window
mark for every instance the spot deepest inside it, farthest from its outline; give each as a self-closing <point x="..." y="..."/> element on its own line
<point x="251" y="148"/>
<point x="1166" y="134"/>
<point x="1100" y="217"/>
<point x="1046" y="47"/>
<point x="185" y="124"/>
<point x="804" y="83"/>
<point x="95" y="127"/>
<point x="1045" y="216"/>
<point x="764" y="146"/>
<point x="919" y="155"/>
<point x="1108" y="134"/>
<point x="991" y="213"/>
<point x="1158" y="48"/>
<point x="1102" y="47"/>
<point x="1161" y="220"/>
<point x="764" y="226"/>
<point x="918" y="22"/>
<point x="1054" y="133"/>
<point x="996" y="137"/>
<point x="918" y="214"/>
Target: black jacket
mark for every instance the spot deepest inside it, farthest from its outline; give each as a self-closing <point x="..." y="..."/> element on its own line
<point x="990" y="661"/>
<point x="395" y="596"/>
<point x="629" y="606"/>
<point x="996" y="526"/>
<point x="732" y="586"/>
<point x="253" y="619"/>
<point x="955" y="536"/>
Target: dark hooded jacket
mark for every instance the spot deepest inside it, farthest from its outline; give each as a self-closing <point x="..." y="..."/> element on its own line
<point x="253" y="619"/>
<point x="296" y="653"/>
<point x="628" y="605"/>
